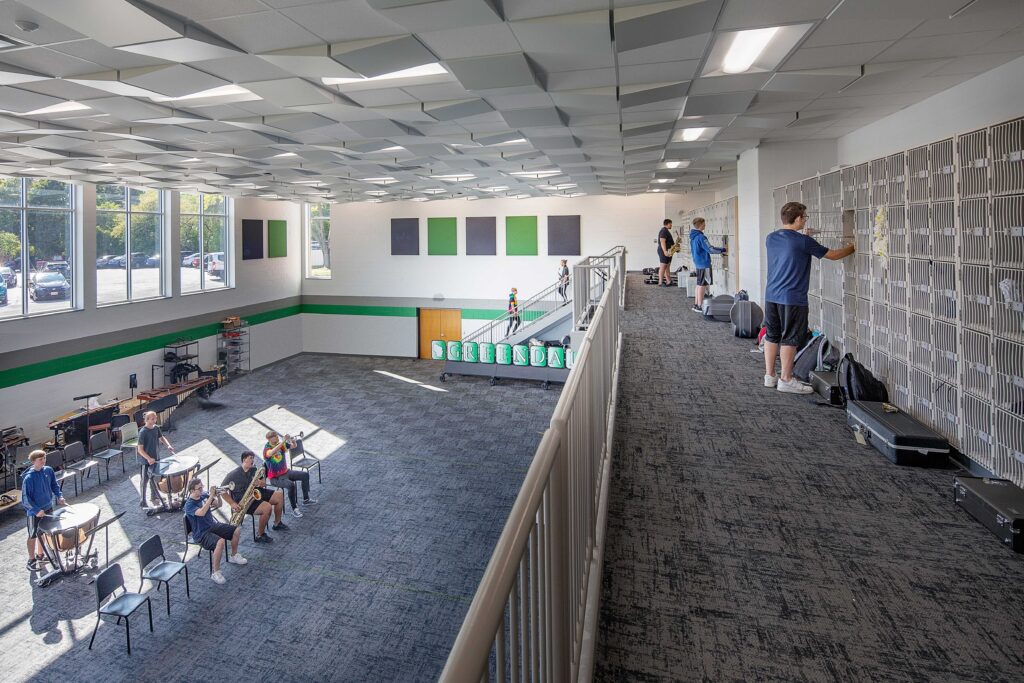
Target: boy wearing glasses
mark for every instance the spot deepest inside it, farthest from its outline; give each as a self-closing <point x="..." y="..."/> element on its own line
<point x="786" y="308"/>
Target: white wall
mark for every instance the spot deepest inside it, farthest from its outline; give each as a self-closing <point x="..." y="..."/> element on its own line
<point x="993" y="97"/>
<point x="363" y="266"/>
<point x="761" y="170"/>
<point x="360" y="334"/>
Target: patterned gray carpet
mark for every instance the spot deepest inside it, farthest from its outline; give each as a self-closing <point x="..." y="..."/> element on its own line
<point x="750" y="538"/>
<point x="371" y="585"/>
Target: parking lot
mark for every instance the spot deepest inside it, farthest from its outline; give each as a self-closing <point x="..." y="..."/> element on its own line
<point x="111" y="287"/>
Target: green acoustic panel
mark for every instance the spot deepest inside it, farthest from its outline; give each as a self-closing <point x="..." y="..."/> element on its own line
<point x="442" y="237"/>
<point x="277" y="238"/>
<point x="521" y="235"/>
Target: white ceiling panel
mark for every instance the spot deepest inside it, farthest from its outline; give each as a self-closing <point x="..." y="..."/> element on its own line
<point x="690" y="48"/>
<point x="262" y="32"/>
<point x="344" y="20"/>
<point x="173" y="81"/>
<point x="734" y="83"/>
<point x="290" y="92"/>
<point x="21" y="101"/>
<point x="937" y="47"/>
<point x="381" y="56"/>
<point x="745" y="14"/>
<point x="202" y="10"/>
<point x="111" y="22"/>
<point x="49" y="62"/>
<point x="838" y="31"/>
<point x="850" y="54"/>
<point x="434" y="15"/>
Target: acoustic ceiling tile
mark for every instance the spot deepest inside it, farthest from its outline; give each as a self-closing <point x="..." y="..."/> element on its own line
<point x="531" y="9"/>
<point x="133" y="22"/>
<point x="689" y="48"/>
<point x="49" y="62"/>
<point x="723" y="84"/>
<point x="381" y="56"/>
<point x="344" y="20"/>
<point x="201" y="10"/>
<point x="668" y="25"/>
<point x="747" y="14"/>
<point x="472" y="41"/>
<point x="381" y="98"/>
<point x="296" y="123"/>
<point x="262" y="32"/>
<point x="450" y="111"/>
<point x="494" y="72"/>
<point x="838" y="31"/>
<point x="851" y="54"/>
<point x="21" y="101"/>
<point x="437" y="14"/>
<point x="107" y="57"/>
<point x="175" y="80"/>
<point x="665" y="72"/>
<point x="731" y="103"/>
<point x="527" y="118"/>
<point x="658" y="94"/>
<point x="919" y="10"/>
<point x="290" y="92"/>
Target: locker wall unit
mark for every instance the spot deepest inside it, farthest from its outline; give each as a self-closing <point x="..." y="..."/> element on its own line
<point x="936" y="306"/>
<point x="721" y="225"/>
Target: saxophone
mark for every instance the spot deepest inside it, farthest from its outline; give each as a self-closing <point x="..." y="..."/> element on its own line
<point x="251" y="494"/>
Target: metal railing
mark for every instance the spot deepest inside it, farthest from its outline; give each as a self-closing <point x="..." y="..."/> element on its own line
<point x="534" y="614"/>
<point x="532" y="310"/>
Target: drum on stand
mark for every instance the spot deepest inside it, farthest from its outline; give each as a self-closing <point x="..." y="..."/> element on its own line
<point x="64" y="532"/>
<point x="172" y="476"/>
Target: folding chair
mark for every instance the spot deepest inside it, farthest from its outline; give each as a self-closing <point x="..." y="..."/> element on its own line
<point x="122" y="607"/>
<point x="163" y="571"/>
<point x="99" y="448"/>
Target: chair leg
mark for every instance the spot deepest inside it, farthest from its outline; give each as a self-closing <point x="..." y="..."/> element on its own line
<point x="319" y="475"/>
<point x="123" y="470"/>
<point x="167" y="592"/>
<point x="127" y="625"/>
<point x="149" y="605"/>
<point x="95" y="628"/>
<point x="253" y="518"/>
<point x="188" y="593"/>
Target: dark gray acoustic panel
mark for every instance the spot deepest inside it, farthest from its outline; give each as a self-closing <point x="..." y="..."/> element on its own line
<point x="563" y="235"/>
<point x="405" y="236"/>
<point x="252" y="239"/>
<point x="481" y="236"/>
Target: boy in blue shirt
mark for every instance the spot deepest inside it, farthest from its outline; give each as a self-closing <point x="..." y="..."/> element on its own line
<point x="701" y="251"/>
<point x="207" y="531"/>
<point x="785" y="296"/>
<point x="38" y="489"/>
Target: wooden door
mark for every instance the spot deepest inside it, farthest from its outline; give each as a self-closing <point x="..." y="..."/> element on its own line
<point x="439" y="323"/>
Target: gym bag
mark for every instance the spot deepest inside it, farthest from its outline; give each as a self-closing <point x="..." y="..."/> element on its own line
<point x="816" y="354"/>
<point x="858" y="384"/>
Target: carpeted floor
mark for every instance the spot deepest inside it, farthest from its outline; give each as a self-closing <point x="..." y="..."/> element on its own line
<point x="371" y="585"/>
<point x="750" y="538"/>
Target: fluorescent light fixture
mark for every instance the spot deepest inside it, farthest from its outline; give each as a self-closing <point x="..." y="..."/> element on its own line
<point x="564" y="186"/>
<point x="230" y="90"/>
<point x="536" y="175"/>
<point x="384" y="180"/>
<point x="434" y="190"/>
<point x="747" y="46"/>
<point x="454" y="177"/>
<point x="676" y="164"/>
<point x="510" y="142"/>
<point x="391" y="149"/>
<point x="691" y="134"/>
<point x="57" y="109"/>
<point x="663" y="180"/>
<point x="434" y="69"/>
<point x="657" y="189"/>
<point x="285" y="154"/>
<point x="496" y="188"/>
<point x="376" y="193"/>
<point x="571" y="195"/>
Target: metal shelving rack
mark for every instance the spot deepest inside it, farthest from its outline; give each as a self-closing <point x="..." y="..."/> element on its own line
<point x="941" y="319"/>
<point x="167" y="366"/>
<point x="233" y="349"/>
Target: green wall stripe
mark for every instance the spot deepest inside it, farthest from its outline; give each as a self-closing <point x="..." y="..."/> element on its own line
<point x="343" y="309"/>
<point x="57" y="366"/>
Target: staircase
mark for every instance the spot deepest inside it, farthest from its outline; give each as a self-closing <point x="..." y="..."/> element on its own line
<point x="540" y="313"/>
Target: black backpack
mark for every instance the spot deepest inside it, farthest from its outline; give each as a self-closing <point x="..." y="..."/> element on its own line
<point x="857" y="382"/>
<point x="817" y="354"/>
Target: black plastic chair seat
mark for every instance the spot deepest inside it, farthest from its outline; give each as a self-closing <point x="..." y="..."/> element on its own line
<point x="81" y="466"/>
<point x="107" y="454"/>
<point x="164" y="571"/>
<point x="123" y="605"/>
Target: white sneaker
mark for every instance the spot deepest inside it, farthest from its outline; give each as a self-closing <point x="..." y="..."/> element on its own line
<point x="237" y="559"/>
<point x="217" y="577"/>
<point x="309" y="501"/>
<point x="771" y="382"/>
<point x="297" y="512"/>
<point x="794" y="386"/>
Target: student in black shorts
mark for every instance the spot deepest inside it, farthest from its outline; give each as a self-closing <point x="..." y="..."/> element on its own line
<point x="271" y="500"/>
<point x="665" y="242"/>
<point x="786" y="308"/>
<point x="208" y="532"/>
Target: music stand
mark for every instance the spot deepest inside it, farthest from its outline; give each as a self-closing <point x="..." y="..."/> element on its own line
<point x="88" y="449"/>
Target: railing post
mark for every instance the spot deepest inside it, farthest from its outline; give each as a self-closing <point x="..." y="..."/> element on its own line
<point x="560" y="636"/>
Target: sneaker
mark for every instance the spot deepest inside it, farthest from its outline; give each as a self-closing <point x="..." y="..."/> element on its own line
<point x="237" y="559"/>
<point x="794" y="386"/>
<point x="297" y="512"/>
<point x="32" y="566"/>
<point x="280" y="526"/>
<point x="309" y="501"/>
<point x="264" y="538"/>
<point x="217" y="577"/>
<point x="771" y="382"/>
<point x="695" y="308"/>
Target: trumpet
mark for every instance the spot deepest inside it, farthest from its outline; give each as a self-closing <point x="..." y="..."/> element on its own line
<point x="216" y="491"/>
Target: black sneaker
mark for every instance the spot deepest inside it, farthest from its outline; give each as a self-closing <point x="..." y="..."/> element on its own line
<point x="264" y="538"/>
<point x="32" y="566"/>
<point x="280" y="526"/>
<point x="695" y="308"/>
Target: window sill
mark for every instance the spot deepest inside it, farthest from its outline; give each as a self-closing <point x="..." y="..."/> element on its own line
<point x="207" y="291"/>
<point x="319" y="277"/>
<point x="148" y="299"/>
<point x="41" y="314"/>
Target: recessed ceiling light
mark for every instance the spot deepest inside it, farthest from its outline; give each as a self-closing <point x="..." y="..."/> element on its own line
<point x="663" y="180"/>
<point x="434" y="69"/>
<point x="285" y="154"/>
<point x="747" y="46"/>
<point x="510" y="142"/>
<point x="385" y="180"/>
<point x="433" y="191"/>
<point x="454" y="177"/>
<point x="657" y="189"/>
<point x="691" y="134"/>
<point x="676" y="164"/>
<point x="376" y="193"/>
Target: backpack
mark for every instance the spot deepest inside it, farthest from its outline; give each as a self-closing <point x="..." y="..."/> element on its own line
<point x="817" y="354"/>
<point x="857" y="382"/>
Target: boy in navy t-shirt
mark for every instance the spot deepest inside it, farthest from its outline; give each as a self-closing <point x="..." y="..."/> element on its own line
<point x="789" y="275"/>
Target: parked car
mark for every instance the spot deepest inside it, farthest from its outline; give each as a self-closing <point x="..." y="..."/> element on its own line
<point x="14" y="263"/>
<point x="215" y="264"/>
<point x="107" y="261"/>
<point x="153" y="261"/>
<point x="187" y="257"/>
<point x="62" y="267"/>
<point x="48" y="284"/>
<point x="9" y="277"/>
<point x="3" y="292"/>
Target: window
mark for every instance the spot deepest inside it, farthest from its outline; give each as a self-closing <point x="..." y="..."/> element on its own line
<point x="37" y="259"/>
<point x="318" y="253"/>
<point x="204" y="242"/>
<point x="129" y="244"/>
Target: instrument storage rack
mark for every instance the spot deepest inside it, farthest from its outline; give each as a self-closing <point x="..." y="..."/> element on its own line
<point x="233" y="349"/>
<point x="191" y="353"/>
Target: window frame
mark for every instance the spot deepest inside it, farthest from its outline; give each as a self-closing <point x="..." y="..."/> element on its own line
<point x="229" y="265"/>
<point x="308" y="219"/>
<point x="74" y="250"/>
<point x="127" y="212"/>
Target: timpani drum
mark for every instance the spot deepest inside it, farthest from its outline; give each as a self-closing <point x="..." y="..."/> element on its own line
<point x="65" y="532"/>
<point x="172" y="475"/>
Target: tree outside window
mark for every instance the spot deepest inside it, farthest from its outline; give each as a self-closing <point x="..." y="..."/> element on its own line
<point x="204" y="242"/>
<point x="129" y="243"/>
<point x="318" y="218"/>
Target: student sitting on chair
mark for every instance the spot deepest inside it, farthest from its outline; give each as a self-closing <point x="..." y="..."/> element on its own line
<point x="208" y="532"/>
<point x="278" y="474"/>
<point x="270" y="500"/>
